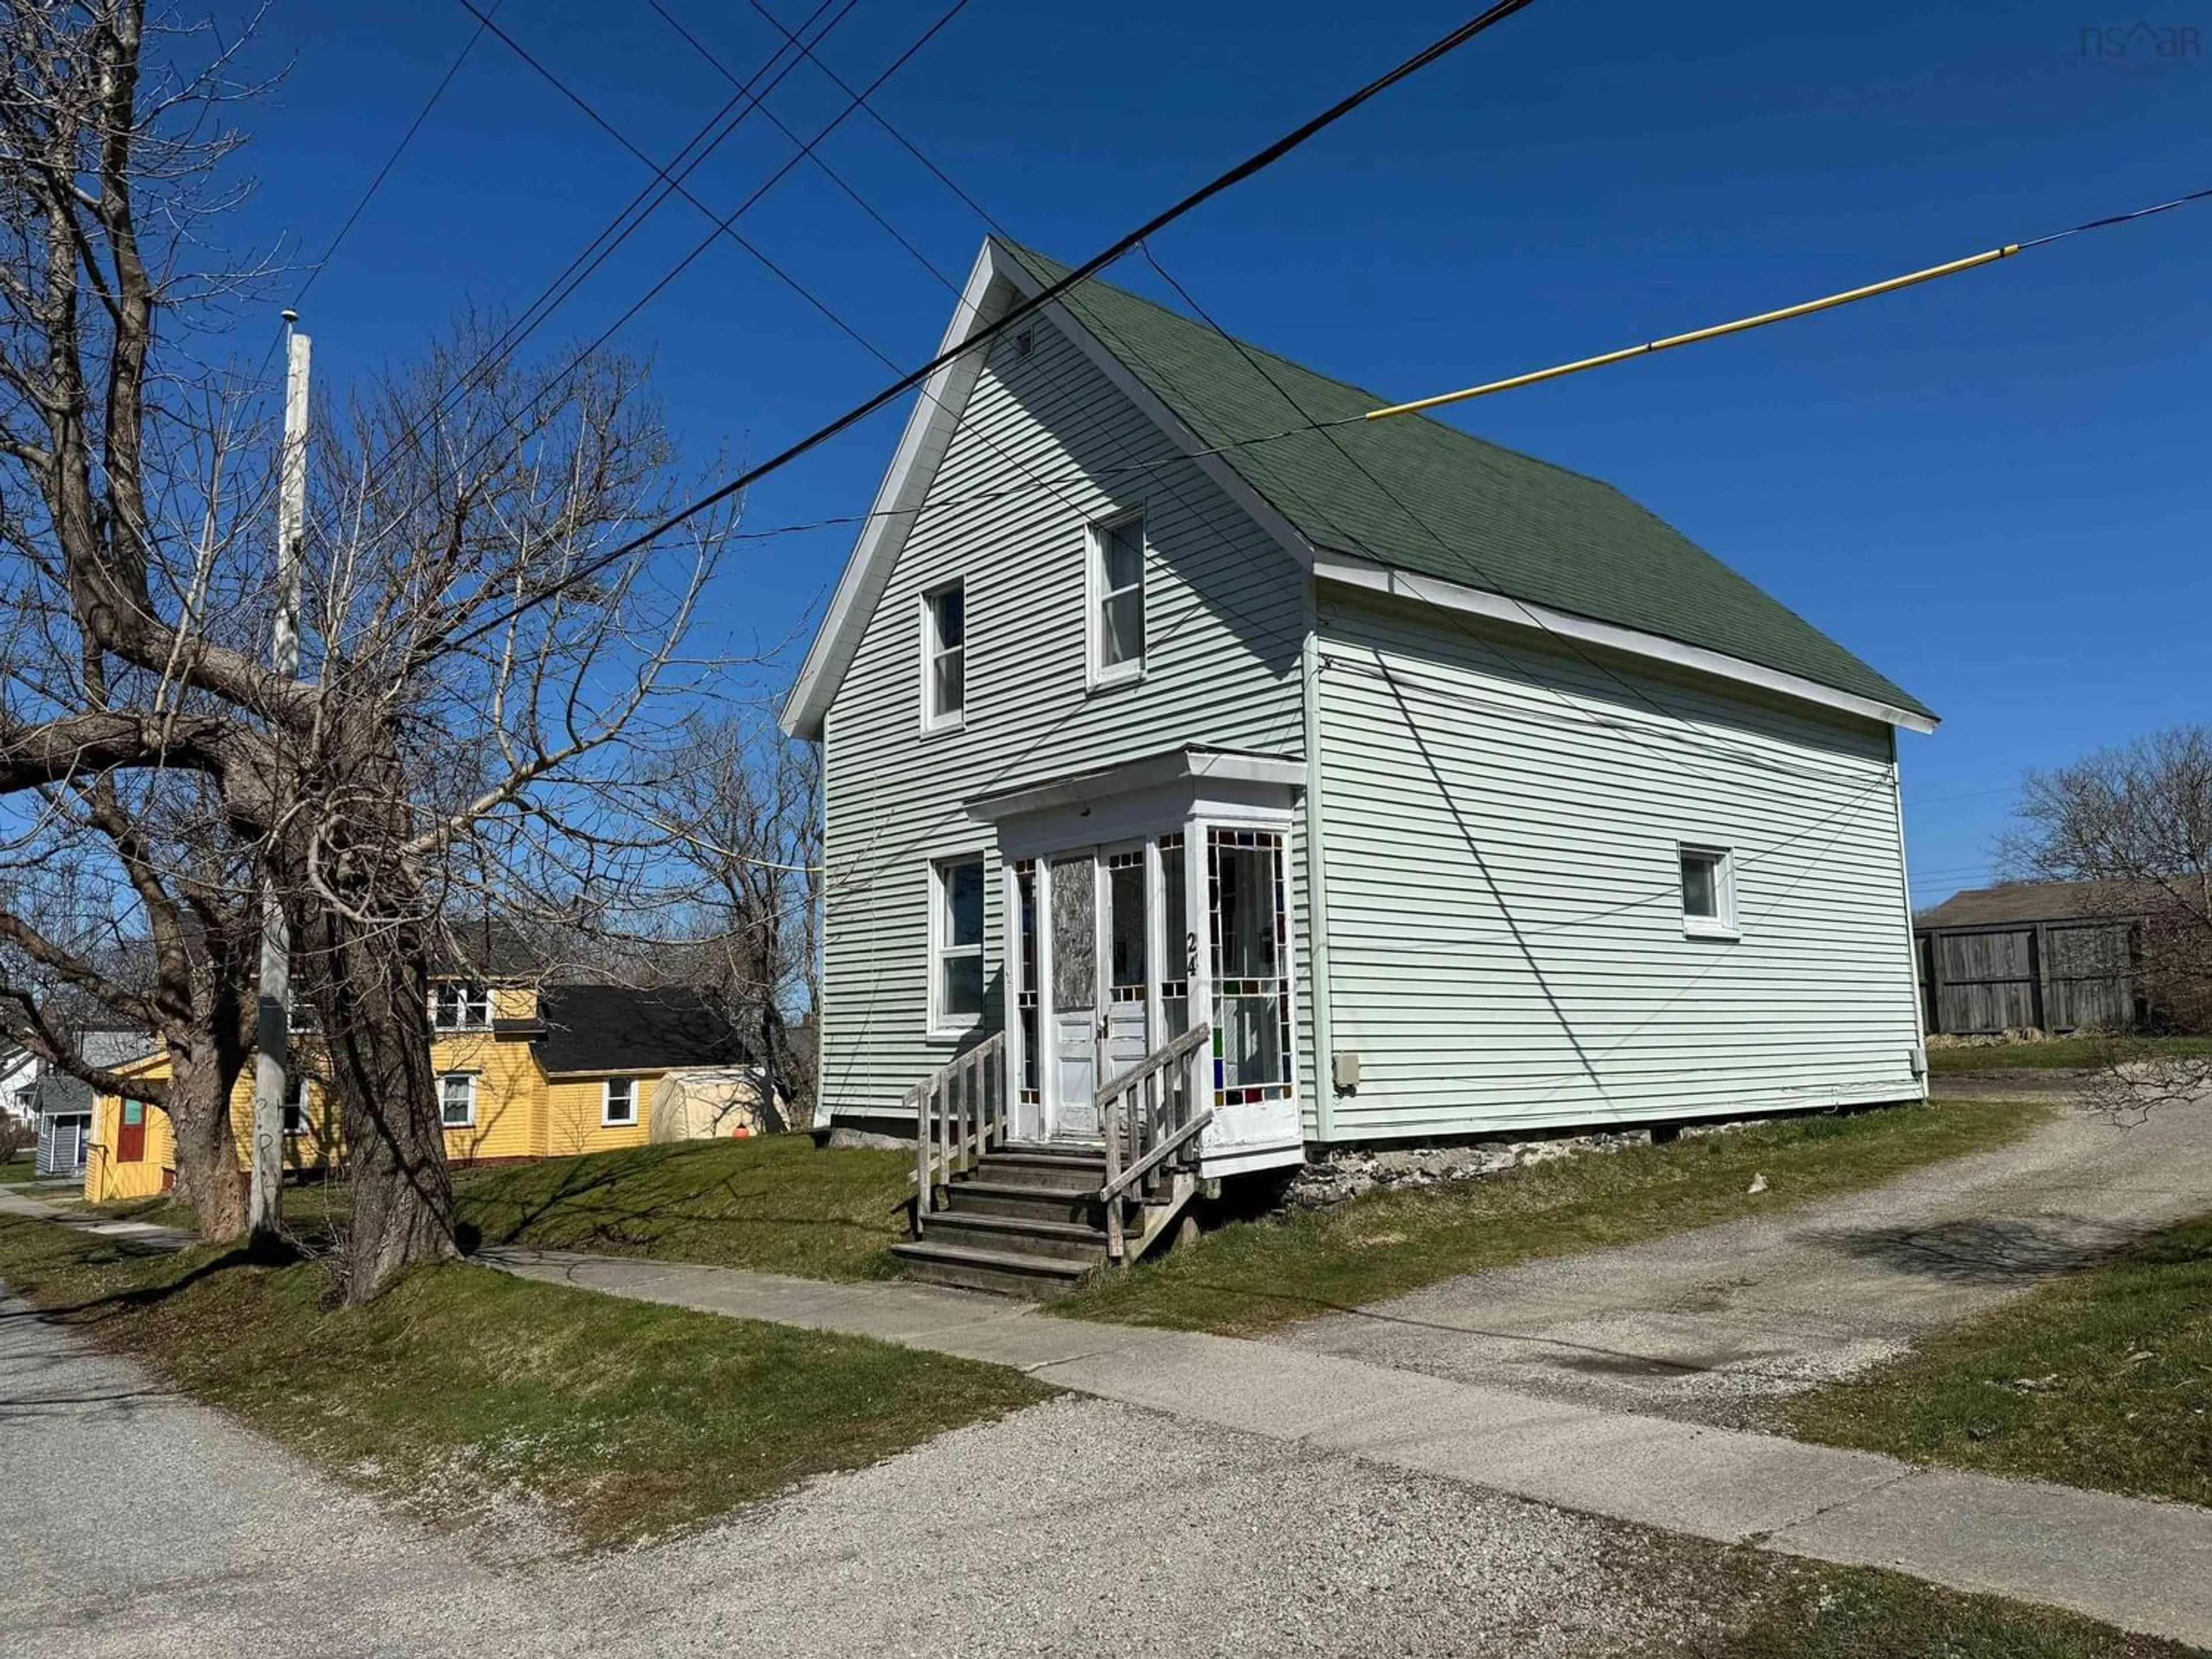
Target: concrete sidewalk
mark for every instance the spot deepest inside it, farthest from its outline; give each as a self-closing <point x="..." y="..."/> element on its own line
<point x="138" y="1232"/>
<point x="2141" y="1565"/>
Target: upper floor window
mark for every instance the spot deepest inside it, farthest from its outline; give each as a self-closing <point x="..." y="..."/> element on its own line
<point x="1117" y="593"/>
<point x="619" y="1105"/>
<point x="460" y="1008"/>
<point x="1709" y="891"/>
<point x="943" y="655"/>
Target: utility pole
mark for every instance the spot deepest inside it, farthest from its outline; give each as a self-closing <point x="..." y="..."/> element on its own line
<point x="272" y="1045"/>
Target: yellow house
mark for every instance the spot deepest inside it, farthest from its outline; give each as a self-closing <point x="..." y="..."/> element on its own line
<point x="522" y="1073"/>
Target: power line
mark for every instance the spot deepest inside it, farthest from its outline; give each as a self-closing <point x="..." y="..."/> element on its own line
<point x="1257" y="162"/>
<point x="723" y="226"/>
<point x="1803" y="308"/>
<point x="376" y="184"/>
<point x="619" y="229"/>
<point x="1457" y="624"/>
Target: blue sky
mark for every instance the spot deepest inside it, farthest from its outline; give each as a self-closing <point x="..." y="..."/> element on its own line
<point x="1985" y="486"/>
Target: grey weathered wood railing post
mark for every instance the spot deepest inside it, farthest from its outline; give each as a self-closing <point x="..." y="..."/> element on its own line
<point x="1148" y="1118"/>
<point x="960" y="1113"/>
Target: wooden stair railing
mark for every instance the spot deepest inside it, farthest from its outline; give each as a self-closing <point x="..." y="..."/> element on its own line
<point x="1151" y="1117"/>
<point x="960" y="1113"/>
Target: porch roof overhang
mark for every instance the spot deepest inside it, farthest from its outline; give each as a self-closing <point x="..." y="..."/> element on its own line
<point x="1192" y="764"/>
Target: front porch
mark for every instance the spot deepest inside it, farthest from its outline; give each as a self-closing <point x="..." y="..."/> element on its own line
<point x="1145" y="1044"/>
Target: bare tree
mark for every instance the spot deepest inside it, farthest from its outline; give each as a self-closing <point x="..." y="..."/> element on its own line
<point x="738" y="809"/>
<point x="482" y="647"/>
<point x="181" y="968"/>
<point x="2136" y="820"/>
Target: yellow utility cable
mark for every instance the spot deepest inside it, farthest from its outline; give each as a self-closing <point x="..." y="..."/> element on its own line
<point x="1696" y="335"/>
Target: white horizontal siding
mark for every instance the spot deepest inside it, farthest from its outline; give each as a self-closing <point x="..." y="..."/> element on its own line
<point x="1502" y="821"/>
<point x="1224" y="614"/>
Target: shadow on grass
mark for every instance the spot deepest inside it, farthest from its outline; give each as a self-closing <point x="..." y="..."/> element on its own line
<point x="94" y="1309"/>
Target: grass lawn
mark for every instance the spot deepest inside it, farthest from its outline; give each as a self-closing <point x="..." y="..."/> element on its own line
<point x="21" y="1169"/>
<point x="1252" y="1275"/>
<point x="2103" y="1379"/>
<point x="1795" y="1610"/>
<point x="777" y="1204"/>
<point x="2059" y="1054"/>
<point x="464" y="1389"/>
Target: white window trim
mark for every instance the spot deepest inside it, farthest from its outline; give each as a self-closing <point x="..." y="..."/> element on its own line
<point x="471" y="1121"/>
<point x="462" y="1021"/>
<point x="941" y="1024"/>
<point x="1099" y="676"/>
<point x="930" y="650"/>
<point x="607" y="1119"/>
<point x="1724" y="925"/>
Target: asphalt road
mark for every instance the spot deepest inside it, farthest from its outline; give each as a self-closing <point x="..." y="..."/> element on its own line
<point x="1712" y="1324"/>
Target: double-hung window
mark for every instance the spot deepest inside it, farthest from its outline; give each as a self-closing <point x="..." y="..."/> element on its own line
<point x="457" y="1100"/>
<point x="956" y="939"/>
<point x="1117" y="598"/>
<point x="295" y="1103"/>
<point x="1709" y="892"/>
<point x="619" y="1105"/>
<point x="944" y="656"/>
<point x="456" y="1007"/>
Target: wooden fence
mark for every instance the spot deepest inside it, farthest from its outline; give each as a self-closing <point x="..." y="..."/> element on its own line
<point x="2051" y="977"/>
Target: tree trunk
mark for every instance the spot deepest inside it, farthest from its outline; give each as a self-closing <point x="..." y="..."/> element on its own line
<point x="368" y="976"/>
<point x="209" y="1174"/>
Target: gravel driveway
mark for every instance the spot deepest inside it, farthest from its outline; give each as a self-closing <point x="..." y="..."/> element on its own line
<point x="1710" y="1324"/>
<point x="136" y="1523"/>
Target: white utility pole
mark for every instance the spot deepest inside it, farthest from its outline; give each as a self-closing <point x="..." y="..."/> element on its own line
<point x="272" y="1044"/>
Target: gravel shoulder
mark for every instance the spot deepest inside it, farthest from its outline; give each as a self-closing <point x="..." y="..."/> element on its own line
<point x="142" y="1524"/>
<point x="1714" y="1324"/>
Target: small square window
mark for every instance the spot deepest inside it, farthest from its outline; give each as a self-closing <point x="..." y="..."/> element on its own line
<point x="457" y="1100"/>
<point x="1117" y="588"/>
<point x="955" y="987"/>
<point x="620" y="1105"/>
<point x="1709" y="891"/>
<point x="945" y="656"/>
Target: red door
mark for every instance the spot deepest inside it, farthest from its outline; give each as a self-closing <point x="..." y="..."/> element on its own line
<point x="131" y="1135"/>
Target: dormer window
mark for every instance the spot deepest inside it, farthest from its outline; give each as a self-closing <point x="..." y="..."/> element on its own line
<point x="1117" y="598"/>
<point x="460" y="1008"/>
<point x="944" y="656"/>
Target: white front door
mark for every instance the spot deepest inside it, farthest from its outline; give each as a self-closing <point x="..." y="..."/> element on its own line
<point x="1101" y="981"/>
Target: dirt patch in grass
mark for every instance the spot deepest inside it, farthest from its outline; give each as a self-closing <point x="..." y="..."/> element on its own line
<point x="2103" y="1378"/>
<point x="466" y="1394"/>
<point x="776" y="1204"/>
<point x="1251" y="1276"/>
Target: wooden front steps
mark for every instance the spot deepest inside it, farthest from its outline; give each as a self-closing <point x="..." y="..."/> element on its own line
<point x="1024" y="1221"/>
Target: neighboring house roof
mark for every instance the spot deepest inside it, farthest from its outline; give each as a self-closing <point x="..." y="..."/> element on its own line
<point x="118" y="1046"/>
<point x="1407" y="493"/>
<point x="615" y="1027"/>
<point x="2018" y="903"/>
<point x="489" y="947"/>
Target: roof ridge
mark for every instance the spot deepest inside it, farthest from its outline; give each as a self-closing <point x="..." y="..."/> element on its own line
<point x="1367" y="394"/>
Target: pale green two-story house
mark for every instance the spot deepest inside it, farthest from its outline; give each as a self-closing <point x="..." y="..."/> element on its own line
<point x="1451" y="790"/>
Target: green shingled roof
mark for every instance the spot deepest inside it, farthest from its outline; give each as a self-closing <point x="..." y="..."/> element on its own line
<point x="1417" y="494"/>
